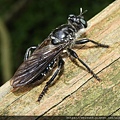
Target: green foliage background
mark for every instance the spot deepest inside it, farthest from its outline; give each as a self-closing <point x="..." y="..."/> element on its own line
<point x="31" y="23"/>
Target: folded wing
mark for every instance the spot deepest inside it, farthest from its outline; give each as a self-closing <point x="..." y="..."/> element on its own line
<point x="35" y="64"/>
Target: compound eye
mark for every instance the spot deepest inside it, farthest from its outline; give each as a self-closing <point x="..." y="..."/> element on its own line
<point x="83" y="22"/>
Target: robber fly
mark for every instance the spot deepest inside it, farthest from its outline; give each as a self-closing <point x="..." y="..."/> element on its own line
<point x="49" y="54"/>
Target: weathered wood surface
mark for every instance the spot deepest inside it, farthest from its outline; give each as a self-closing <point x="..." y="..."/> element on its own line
<point x="76" y="92"/>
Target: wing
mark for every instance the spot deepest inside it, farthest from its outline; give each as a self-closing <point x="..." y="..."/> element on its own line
<point x="35" y="64"/>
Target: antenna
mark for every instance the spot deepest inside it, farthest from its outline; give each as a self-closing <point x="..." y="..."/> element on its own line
<point x="81" y="13"/>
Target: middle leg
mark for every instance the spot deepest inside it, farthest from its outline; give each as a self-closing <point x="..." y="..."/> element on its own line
<point x="74" y="54"/>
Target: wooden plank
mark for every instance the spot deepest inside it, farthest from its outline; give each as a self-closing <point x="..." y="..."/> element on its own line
<point x="76" y="92"/>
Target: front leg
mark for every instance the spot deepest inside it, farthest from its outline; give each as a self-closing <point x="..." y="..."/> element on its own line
<point x="85" y="40"/>
<point x="74" y="54"/>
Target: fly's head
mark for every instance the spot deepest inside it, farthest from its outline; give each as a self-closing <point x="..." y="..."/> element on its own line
<point x="78" y="22"/>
